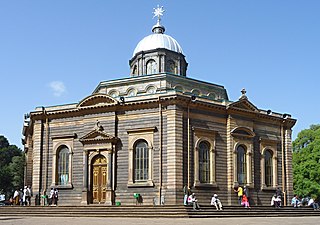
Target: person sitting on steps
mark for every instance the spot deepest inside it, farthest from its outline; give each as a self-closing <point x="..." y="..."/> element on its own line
<point x="194" y="201"/>
<point x="295" y="202"/>
<point x="215" y="201"/>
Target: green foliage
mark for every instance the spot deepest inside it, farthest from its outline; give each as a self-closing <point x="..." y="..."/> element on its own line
<point x="306" y="162"/>
<point x="17" y="170"/>
<point x="11" y="167"/>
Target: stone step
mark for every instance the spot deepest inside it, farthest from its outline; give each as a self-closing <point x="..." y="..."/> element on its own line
<point x="153" y="211"/>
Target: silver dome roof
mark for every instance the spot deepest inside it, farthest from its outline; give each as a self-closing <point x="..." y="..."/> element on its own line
<point x="158" y="40"/>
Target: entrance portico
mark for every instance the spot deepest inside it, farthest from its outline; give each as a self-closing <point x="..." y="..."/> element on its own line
<point x="98" y="167"/>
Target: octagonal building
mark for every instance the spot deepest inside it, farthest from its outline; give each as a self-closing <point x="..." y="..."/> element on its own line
<point x="155" y="133"/>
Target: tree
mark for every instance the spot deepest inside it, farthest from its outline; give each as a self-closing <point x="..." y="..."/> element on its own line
<point x="11" y="167"/>
<point x="306" y="162"/>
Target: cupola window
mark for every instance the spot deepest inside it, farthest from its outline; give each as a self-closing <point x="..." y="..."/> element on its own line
<point x="171" y="67"/>
<point x="151" y="67"/>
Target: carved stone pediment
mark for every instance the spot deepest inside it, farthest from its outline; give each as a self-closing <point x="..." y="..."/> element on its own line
<point x="97" y="100"/>
<point x="98" y="136"/>
<point x="242" y="132"/>
<point x="243" y="104"/>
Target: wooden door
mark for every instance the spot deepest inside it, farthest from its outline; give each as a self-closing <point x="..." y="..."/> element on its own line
<point x="99" y="179"/>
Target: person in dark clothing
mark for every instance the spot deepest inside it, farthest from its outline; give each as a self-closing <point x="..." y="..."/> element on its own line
<point x="246" y="192"/>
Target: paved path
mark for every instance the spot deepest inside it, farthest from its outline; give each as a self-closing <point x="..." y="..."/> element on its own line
<point x="157" y="221"/>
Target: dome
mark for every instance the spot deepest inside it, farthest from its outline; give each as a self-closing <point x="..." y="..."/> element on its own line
<point x="158" y="40"/>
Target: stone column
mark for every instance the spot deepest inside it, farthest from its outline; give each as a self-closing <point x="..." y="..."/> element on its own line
<point x="109" y="191"/>
<point x="84" y="200"/>
<point x="109" y="177"/>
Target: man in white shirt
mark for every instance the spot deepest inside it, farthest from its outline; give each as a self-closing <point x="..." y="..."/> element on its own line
<point x="194" y="201"/>
<point x="313" y="204"/>
<point x="215" y="201"/>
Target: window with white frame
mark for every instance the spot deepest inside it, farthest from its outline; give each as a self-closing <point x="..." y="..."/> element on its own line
<point x="204" y="162"/>
<point x="140" y="157"/>
<point x="63" y="165"/>
<point x="141" y="161"/>
<point x="269" y="162"/>
<point x="241" y="165"/>
<point x="62" y="161"/>
<point x="243" y="156"/>
<point x="268" y="165"/>
<point x="204" y="157"/>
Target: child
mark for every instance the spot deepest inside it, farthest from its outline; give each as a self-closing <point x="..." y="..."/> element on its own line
<point x="245" y="202"/>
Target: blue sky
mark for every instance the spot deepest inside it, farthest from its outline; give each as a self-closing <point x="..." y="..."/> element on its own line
<point x="56" y="52"/>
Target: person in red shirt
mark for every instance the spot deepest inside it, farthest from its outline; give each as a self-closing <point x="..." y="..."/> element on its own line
<point x="245" y="202"/>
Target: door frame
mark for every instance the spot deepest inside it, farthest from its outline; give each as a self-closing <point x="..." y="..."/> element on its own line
<point x="102" y="165"/>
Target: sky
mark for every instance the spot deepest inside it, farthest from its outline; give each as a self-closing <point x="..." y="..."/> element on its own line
<point x="56" y="52"/>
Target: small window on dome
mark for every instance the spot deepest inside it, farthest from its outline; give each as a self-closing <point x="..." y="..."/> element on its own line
<point x="151" y="67"/>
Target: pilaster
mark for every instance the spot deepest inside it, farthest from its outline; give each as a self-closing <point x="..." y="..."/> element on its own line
<point x="174" y="152"/>
<point x="288" y="162"/>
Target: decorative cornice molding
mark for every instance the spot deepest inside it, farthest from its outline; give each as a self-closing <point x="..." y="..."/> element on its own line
<point x="66" y="136"/>
<point x="142" y="130"/>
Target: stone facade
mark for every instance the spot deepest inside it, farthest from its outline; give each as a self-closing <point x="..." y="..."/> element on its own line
<point x="153" y="134"/>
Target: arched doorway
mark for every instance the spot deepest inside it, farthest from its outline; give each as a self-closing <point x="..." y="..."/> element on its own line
<point x="99" y="179"/>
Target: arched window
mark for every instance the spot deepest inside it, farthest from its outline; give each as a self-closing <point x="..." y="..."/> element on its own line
<point x="63" y="166"/>
<point x="151" y="90"/>
<point x="204" y="162"/>
<point x="268" y="168"/>
<point x="151" y="67"/>
<point x="141" y="161"/>
<point x="135" y="71"/>
<point x="171" y="67"/>
<point x="212" y="96"/>
<point x="114" y="94"/>
<point x="241" y="165"/>
<point x="132" y="92"/>
<point x="195" y="92"/>
<point x="178" y="88"/>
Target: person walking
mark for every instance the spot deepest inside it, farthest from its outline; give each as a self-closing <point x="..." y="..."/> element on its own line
<point x="29" y="195"/>
<point x="26" y="195"/>
<point x="51" y="197"/>
<point x="245" y="202"/>
<point x="56" y="196"/>
<point x="246" y="192"/>
<point x="186" y="193"/>
<point x="239" y="191"/>
<point x="16" y="197"/>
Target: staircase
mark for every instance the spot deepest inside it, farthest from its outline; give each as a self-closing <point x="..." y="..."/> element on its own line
<point x="153" y="211"/>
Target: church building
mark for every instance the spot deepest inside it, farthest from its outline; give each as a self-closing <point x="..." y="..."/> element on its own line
<point x="154" y="133"/>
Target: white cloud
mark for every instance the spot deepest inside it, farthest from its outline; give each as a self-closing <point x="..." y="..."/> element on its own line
<point x="58" y="88"/>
